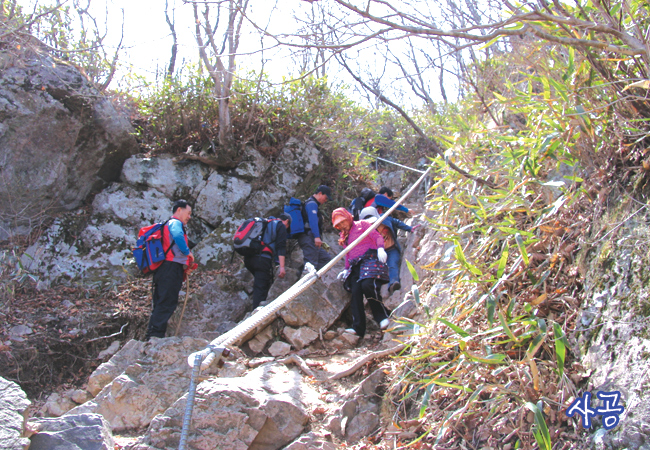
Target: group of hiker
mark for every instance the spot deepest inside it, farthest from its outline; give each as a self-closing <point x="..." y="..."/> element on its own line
<point x="369" y="265"/>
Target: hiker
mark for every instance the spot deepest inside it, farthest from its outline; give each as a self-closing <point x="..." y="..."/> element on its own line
<point x="365" y="196"/>
<point x="168" y="278"/>
<point x="310" y="240"/>
<point x="388" y="230"/>
<point x="365" y="270"/>
<point x="261" y="265"/>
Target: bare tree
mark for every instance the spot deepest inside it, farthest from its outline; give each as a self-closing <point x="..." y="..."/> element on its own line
<point x="171" y="23"/>
<point x="217" y="30"/>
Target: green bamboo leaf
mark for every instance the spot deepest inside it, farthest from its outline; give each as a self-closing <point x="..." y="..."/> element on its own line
<point x="425" y="401"/>
<point x="456" y="328"/>
<point x="522" y="248"/>
<point x="453" y="386"/>
<point x="414" y="273"/>
<point x="490" y="306"/>
<point x="506" y="328"/>
<point x="460" y="256"/>
<point x="540" y="431"/>
<point x="496" y="358"/>
<point x="561" y="344"/>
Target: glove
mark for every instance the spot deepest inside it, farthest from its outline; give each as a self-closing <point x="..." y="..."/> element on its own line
<point x="381" y="255"/>
<point x="343" y="274"/>
<point x="415" y="227"/>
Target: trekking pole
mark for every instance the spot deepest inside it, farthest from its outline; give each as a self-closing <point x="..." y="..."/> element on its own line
<point x="187" y="294"/>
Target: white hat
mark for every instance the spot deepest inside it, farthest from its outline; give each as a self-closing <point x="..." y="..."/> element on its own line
<point x="369" y="214"/>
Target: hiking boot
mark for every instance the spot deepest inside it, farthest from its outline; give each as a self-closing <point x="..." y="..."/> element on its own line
<point x="396" y="286"/>
<point x="350" y="331"/>
<point x="384" y="324"/>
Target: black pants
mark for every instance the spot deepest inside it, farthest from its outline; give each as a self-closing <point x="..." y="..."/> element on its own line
<point x="262" y="270"/>
<point x="368" y="287"/>
<point x="317" y="256"/>
<point x="167" y="280"/>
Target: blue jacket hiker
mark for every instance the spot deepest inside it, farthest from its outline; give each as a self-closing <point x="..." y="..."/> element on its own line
<point x="168" y="278"/>
<point x="388" y="230"/>
<point x="310" y="241"/>
<point x="261" y="265"/>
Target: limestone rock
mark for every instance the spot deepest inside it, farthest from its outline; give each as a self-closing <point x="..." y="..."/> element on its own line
<point x="59" y="138"/>
<point x="320" y="305"/>
<point x="310" y="441"/>
<point x="57" y="405"/>
<point x="13" y="412"/>
<point x="72" y="432"/>
<point x="106" y="372"/>
<point x="175" y="179"/>
<point x="301" y="337"/>
<point x="147" y="386"/>
<point x="265" y="410"/>
<point x="220" y="196"/>
<point x="279" y="348"/>
<point x="258" y="343"/>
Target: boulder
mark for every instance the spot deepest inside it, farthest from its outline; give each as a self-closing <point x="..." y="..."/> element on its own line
<point x="265" y="410"/>
<point x="310" y="441"/>
<point x="279" y="348"/>
<point x="59" y="139"/>
<point x="301" y="337"/>
<point x="148" y="385"/>
<point x="106" y="372"/>
<point x="13" y="413"/>
<point x="72" y="432"/>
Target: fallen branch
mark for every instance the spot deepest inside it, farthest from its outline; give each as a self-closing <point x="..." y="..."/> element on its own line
<point x="109" y="336"/>
<point x="362" y="360"/>
<point x="298" y="361"/>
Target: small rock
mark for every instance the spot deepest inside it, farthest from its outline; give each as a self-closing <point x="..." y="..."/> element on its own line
<point x="57" y="405"/>
<point x="301" y="337"/>
<point x="110" y="351"/>
<point x="329" y="335"/>
<point x="20" y="330"/>
<point x="260" y="340"/>
<point x="256" y="362"/>
<point x="79" y="396"/>
<point x="279" y="348"/>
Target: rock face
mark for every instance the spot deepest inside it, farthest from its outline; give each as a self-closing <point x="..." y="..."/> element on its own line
<point x="13" y="411"/>
<point x="613" y="330"/>
<point x="72" y="432"/>
<point x="148" y="384"/>
<point x="59" y="138"/>
<point x="265" y="410"/>
<point x="97" y="247"/>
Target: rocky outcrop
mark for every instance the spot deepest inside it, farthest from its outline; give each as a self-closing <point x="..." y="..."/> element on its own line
<point x="613" y="330"/>
<point x="13" y="412"/>
<point x="72" y="432"/>
<point x="155" y="375"/>
<point x="59" y="139"/>
<point x="265" y="410"/>
<point x="97" y="247"/>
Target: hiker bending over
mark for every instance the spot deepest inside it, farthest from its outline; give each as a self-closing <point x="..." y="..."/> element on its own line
<point x="261" y="265"/>
<point x="310" y="241"/>
<point x="388" y="230"/>
<point x="365" y="270"/>
<point x="168" y="278"/>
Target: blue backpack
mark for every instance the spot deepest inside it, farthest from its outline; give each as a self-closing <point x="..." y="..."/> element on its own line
<point x="295" y="209"/>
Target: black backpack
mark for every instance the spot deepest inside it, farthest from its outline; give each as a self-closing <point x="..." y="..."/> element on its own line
<point x="360" y="202"/>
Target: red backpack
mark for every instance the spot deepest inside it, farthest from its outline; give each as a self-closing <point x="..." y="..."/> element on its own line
<point x="149" y="253"/>
<point x="247" y="240"/>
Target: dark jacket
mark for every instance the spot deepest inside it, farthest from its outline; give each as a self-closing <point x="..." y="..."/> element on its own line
<point x="275" y="236"/>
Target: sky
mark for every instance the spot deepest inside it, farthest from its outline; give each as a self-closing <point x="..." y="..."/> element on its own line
<point x="147" y="38"/>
